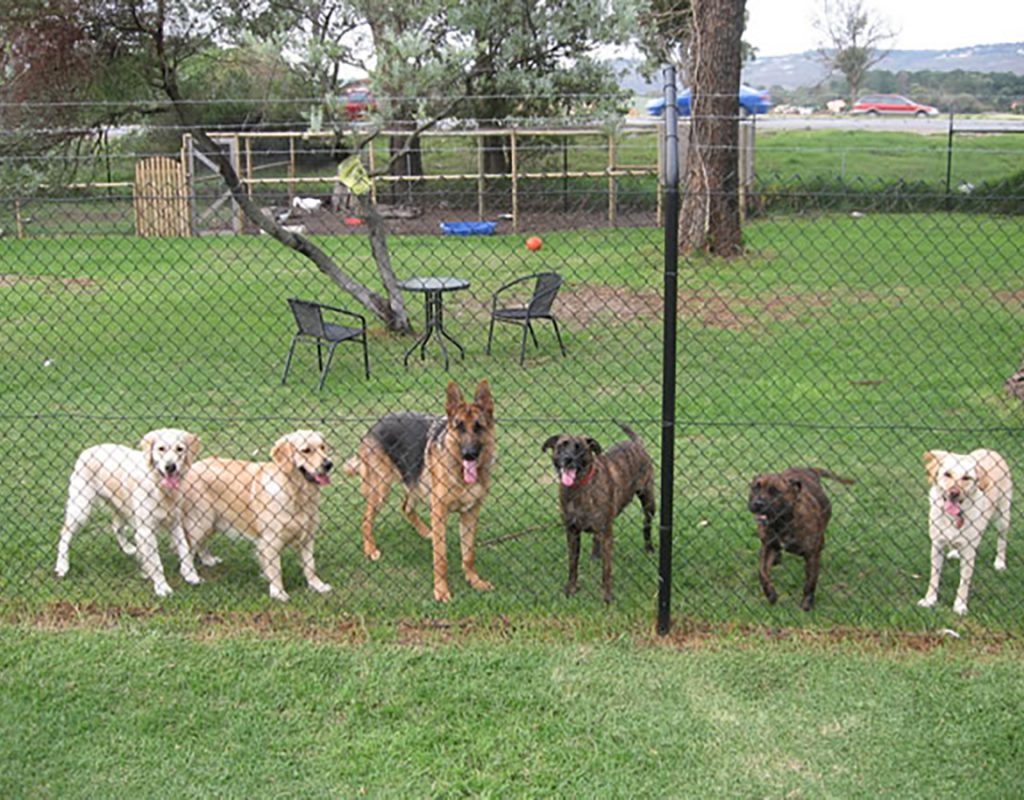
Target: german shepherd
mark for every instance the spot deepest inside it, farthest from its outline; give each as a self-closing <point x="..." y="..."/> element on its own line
<point x="446" y="461"/>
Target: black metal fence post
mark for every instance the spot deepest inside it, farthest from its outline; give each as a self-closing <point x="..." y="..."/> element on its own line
<point x="949" y="163"/>
<point x="670" y="186"/>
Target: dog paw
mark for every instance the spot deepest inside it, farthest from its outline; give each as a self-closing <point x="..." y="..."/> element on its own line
<point x="320" y="587"/>
<point x="60" y="570"/>
<point x="959" y="607"/>
<point x="442" y="594"/>
<point x="927" y="602"/>
<point x="373" y="555"/>
<point x="570" y="589"/>
<point x="193" y="579"/>
<point x="772" y="596"/>
<point x="209" y="560"/>
<point x="279" y="594"/>
<point x="162" y="590"/>
<point x="1000" y="564"/>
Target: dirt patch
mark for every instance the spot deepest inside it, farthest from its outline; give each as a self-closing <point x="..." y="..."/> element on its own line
<point x="685" y="635"/>
<point x="584" y="304"/>
<point x="49" y="282"/>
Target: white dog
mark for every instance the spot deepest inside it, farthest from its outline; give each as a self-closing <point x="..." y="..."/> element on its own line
<point x="142" y="489"/>
<point x="967" y="493"/>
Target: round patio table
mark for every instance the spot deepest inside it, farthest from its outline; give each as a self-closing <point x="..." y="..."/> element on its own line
<point x="433" y="289"/>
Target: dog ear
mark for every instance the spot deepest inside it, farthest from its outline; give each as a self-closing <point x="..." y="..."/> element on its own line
<point x="453" y="400"/>
<point x="984" y="479"/>
<point x="932" y="460"/>
<point x="594" y="447"/>
<point x="550" y="443"/>
<point x="146" y="446"/>
<point x="797" y="484"/>
<point x="483" y="398"/>
<point x="283" y="454"/>
<point x="193" y="443"/>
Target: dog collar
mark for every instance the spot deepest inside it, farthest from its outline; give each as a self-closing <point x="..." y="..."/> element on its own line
<point x="588" y="477"/>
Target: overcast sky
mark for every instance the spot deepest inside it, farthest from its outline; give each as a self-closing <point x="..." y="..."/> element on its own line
<point x="780" y="28"/>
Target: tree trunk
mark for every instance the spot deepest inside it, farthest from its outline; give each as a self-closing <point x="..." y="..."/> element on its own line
<point x="406" y="155"/>
<point x="390" y="310"/>
<point x="495" y="155"/>
<point x="710" y="214"/>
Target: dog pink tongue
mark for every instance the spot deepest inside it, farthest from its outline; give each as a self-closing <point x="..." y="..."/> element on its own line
<point x="953" y="509"/>
<point x="469" y="471"/>
<point x="170" y="482"/>
<point x="323" y="480"/>
<point x="568" y="477"/>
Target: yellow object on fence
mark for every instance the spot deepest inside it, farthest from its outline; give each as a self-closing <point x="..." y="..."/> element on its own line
<point x="161" y="198"/>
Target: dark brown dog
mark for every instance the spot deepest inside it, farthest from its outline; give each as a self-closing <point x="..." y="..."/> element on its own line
<point x="595" y="488"/>
<point x="792" y="512"/>
<point x="445" y="460"/>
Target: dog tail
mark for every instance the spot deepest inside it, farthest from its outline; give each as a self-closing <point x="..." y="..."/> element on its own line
<point x="824" y="473"/>
<point x="353" y="467"/>
<point x="633" y="437"/>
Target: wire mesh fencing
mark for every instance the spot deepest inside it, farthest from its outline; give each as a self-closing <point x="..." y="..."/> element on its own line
<point x="203" y="417"/>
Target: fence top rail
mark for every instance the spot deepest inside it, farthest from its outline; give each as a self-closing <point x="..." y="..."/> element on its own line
<point x="517" y="130"/>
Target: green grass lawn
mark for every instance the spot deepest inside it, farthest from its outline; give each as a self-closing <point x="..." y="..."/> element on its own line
<point x="850" y="342"/>
<point x="139" y="712"/>
<point x="853" y="343"/>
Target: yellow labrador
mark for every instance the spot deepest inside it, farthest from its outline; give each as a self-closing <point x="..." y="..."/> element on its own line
<point x="275" y="503"/>
<point x="142" y="488"/>
<point x="967" y="493"/>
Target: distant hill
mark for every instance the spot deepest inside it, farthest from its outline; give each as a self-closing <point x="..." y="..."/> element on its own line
<point x="803" y="69"/>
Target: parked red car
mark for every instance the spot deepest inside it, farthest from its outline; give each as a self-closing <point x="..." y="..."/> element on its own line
<point x="359" y="101"/>
<point x="876" y="104"/>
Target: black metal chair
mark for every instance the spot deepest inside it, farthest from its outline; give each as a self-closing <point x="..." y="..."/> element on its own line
<point x="537" y="307"/>
<point x="309" y="317"/>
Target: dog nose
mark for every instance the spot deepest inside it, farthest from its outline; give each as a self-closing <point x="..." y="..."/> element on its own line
<point x="327" y="465"/>
<point x="471" y="453"/>
<point x="170" y="469"/>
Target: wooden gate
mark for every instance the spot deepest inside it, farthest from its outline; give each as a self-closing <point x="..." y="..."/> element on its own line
<point x="213" y="210"/>
<point x="161" y="198"/>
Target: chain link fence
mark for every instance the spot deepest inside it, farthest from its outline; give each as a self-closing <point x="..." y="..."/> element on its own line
<point x="867" y="322"/>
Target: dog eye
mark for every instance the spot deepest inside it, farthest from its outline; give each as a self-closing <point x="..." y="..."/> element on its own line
<point x="478" y="428"/>
<point x="460" y="427"/>
<point x="306" y="450"/>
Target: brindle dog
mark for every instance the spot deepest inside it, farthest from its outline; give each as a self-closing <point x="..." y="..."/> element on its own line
<point x="446" y="461"/>
<point x="595" y="487"/>
<point x="792" y="511"/>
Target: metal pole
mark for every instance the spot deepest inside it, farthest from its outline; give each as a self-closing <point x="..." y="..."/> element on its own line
<point x="670" y="188"/>
<point x="949" y="162"/>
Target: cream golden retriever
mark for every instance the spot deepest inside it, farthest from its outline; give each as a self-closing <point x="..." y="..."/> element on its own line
<point x="142" y="488"/>
<point x="275" y="504"/>
<point x="968" y="492"/>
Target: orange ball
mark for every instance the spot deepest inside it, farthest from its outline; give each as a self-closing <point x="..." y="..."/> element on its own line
<point x="534" y="243"/>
